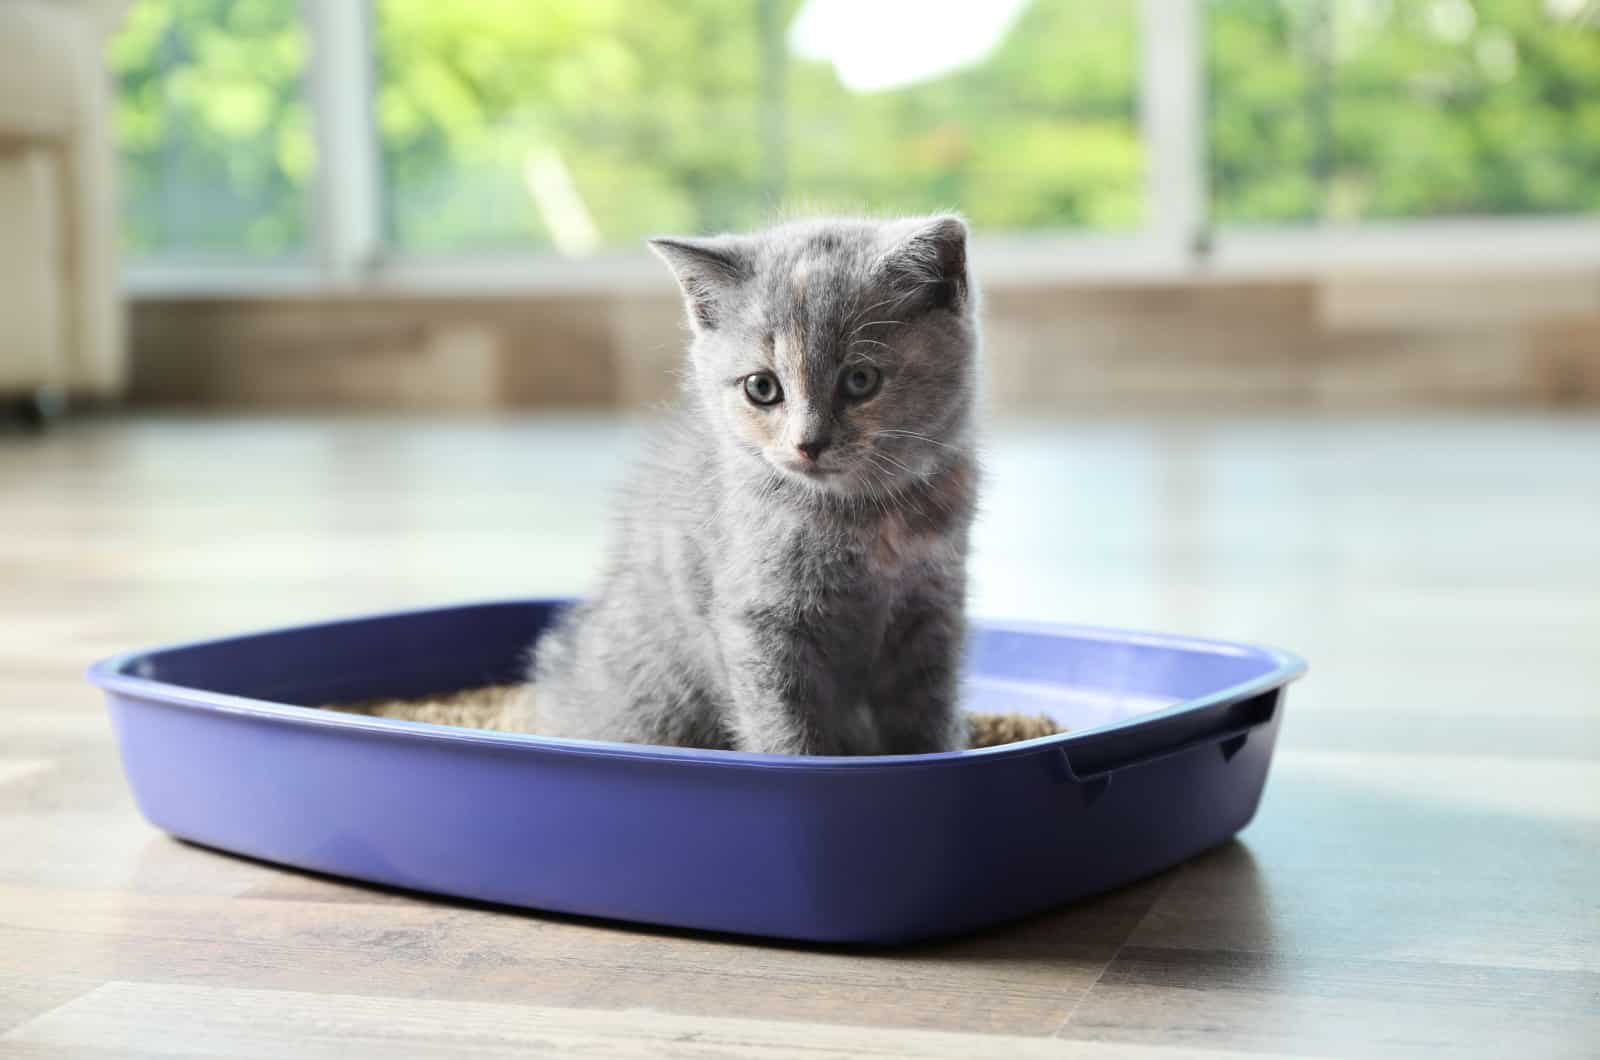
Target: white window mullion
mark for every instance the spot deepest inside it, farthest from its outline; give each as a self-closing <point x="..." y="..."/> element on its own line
<point x="348" y="201"/>
<point x="1172" y="118"/>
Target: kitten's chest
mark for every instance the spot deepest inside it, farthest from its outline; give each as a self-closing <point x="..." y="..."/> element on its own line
<point x="869" y="565"/>
<point x="896" y="549"/>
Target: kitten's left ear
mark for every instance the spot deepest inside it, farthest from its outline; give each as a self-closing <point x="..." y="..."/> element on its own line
<point x="708" y="270"/>
<point x="929" y="264"/>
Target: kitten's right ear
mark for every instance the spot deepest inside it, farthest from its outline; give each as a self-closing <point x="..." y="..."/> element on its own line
<point x="929" y="264"/>
<point x="707" y="270"/>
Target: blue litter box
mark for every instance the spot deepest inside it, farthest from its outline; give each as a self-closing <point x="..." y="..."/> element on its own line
<point x="1168" y="755"/>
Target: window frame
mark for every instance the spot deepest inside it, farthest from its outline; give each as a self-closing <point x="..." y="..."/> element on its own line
<point x="1177" y="242"/>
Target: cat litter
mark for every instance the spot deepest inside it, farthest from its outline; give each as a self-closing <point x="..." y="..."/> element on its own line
<point x="1165" y="753"/>
<point x="495" y="707"/>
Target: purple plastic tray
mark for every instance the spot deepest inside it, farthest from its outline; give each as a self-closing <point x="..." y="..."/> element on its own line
<point x="1169" y="755"/>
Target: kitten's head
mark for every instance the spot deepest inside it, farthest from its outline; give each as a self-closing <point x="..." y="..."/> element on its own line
<point x="840" y="352"/>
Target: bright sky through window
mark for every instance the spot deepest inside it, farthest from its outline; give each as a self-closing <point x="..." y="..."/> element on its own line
<point x="876" y="45"/>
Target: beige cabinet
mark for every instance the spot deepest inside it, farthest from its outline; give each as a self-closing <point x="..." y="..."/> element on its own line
<point x="60" y="308"/>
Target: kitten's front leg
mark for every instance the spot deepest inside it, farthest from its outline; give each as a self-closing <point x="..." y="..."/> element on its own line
<point x="779" y="682"/>
<point x="916" y="692"/>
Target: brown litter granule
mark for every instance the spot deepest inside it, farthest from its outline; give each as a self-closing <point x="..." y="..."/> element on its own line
<point x="490" y="707"/>
<point x="494" y="707"/>
<point x="992" y="730"/>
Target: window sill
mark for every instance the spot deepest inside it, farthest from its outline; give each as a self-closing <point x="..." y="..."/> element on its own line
<point x="1236" y="254"/>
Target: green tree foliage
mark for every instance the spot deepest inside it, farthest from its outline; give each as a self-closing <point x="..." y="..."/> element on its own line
<point x="216" y="136"/>
<point x="661" y="112"/>
<point x="1392" y="109"/>
<point x="500" y="118"/>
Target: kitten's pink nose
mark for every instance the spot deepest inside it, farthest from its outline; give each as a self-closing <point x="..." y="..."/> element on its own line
<point x="812" y="449"/>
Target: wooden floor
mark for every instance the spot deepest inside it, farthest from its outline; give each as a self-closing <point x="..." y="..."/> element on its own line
<point x="1423" y="879"/>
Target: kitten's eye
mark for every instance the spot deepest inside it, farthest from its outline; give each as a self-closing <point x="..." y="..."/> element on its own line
<point x="762" y="388"/>
<point x="861" y="382"/>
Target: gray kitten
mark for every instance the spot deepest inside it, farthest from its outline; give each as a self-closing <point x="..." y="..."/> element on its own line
<point x="790" y="570"/>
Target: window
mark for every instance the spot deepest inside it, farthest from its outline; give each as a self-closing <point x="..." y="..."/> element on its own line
<point x="1347" y="110"/>
<point x="568" y="128"/>
<point x="577" y="125"/>
<point x="216" y="137"/>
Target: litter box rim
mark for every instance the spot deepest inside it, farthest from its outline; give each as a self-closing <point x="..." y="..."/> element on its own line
<point x="112" y="674"/>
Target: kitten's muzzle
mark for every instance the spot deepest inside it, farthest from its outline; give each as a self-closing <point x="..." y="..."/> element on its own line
<point x="809" y="469"/>
<point x="811" y="449"/>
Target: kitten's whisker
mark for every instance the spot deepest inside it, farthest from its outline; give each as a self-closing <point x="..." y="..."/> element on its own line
<point x="870" y="323"/>
<point x="882" y="480"/>
<point x="902" y="496"/>
<point x="857" y="313"/>
<point x="887" y="431"/>
<point x="875" y="305"/>
<point x="869" y="342"/>
<point x="879" y="500"/>
<point x="905" y="496"/>
<point x="903" y="467"/>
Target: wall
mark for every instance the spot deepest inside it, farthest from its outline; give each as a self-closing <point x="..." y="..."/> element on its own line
<point x="1351" y="341"/>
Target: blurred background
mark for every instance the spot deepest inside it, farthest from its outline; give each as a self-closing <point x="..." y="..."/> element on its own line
<point x="407" y="204"/>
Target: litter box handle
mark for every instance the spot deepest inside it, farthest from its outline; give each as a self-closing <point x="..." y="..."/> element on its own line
<point x="1228" y="725"/>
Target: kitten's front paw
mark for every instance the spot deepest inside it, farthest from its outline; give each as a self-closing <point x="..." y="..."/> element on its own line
<point x="521" y="713"/>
